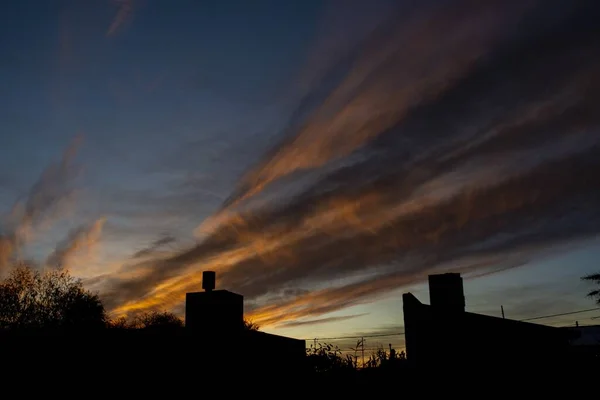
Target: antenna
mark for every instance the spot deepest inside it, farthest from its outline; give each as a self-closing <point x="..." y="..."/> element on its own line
<point x="208" y="280"/>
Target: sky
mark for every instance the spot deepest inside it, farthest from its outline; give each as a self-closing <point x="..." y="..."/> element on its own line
<point x="323" y="157"/>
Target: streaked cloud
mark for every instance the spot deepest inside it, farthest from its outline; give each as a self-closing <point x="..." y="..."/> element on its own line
<point x="501" y="157"/>
<point x="48" y="200"/>
<point x="476" y="150"/>
<point x="123" y="15"/>
<point x="321" y="320"/>
<point x="6" y="251"/>
<point x="155" y="246"/>
<point x="78" y="247"/>
<point x="399" y="66"/>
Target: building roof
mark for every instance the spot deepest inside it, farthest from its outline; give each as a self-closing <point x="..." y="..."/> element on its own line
<point x="484" y="324"/>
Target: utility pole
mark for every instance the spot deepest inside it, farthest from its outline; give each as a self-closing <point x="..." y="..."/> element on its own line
<point x="502" y="309"/>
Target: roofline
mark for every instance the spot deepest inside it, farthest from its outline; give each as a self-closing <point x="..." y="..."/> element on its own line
<point x="580" y="326"/>
<point x="414" y="300"/>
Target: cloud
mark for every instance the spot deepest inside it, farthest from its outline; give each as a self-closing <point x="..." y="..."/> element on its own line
<point x="124" y="14"/>
<point x="154" y="246"/>
<point x="321" y="320"/>
<point x="46" y="201"/>
<point x="478" y="171"/>
<point x="6" y="251"/>
<point x="324" y="301"/>
<point x="79" y="242"/>
<point x="53" y="187"/>
<point x="396" y="68"/>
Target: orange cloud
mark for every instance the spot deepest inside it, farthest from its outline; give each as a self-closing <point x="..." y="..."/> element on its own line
<point x="6" y="251"/>
<point x="397" y="69"/>
<point x="48" y="200"/>
<point x="502" y="156"/>
<point x="78" y="247"/>
<point x="342" y="236"/>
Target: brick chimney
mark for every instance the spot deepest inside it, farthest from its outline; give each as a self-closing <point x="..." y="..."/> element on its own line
<point x="446" y="292"/>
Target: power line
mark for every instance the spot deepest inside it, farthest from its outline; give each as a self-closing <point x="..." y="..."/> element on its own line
<point x="350" y="350"/>
<point x="561" y="314"/>
<point x="402" y="333"/>
<point x="358" y="337"/>
<point x="578" y="326"/>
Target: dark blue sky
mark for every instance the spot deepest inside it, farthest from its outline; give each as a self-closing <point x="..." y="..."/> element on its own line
<point x="175" y="106"/>
<point x="175" y="90"/>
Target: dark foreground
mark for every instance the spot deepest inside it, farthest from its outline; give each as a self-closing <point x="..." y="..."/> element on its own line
<point x="122" y="363"/>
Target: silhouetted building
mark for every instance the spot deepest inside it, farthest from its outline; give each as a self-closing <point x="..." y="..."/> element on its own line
<point x="585" y="335"/>
<point x="214" y="312"/>
<point x="217" y="316"/>
<point x="446" y="292"/>
<point x="213" y="345"/>
<point x="442" y="334"/>
<point x="585" y="343"/>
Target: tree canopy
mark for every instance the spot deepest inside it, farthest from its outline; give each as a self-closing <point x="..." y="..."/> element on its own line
<point x="250" y="325"/>
<point x="50" y="299"/>
<point x="595" y="278"/>
<point x="149" y="320"/>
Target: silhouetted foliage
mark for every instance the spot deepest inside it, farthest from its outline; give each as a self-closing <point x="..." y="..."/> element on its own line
<point x="150" y="320"/>
<point x="250" y="326"/>
<point x="158" y="320"/>
<point x="31" y="299"/>
<point x="595" y="278"/>
<point x="119" y="323"/>
<point x="384" y="359"/>
<point x="326" y="357"/>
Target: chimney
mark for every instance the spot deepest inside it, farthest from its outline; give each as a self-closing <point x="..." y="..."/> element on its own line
<point x="208" y="280"/>
<point x="446" y="292"/>
<point x="214" y="312"/>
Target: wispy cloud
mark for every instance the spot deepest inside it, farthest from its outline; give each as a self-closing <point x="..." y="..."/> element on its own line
<point x="77" y="247"/>
<point x="154" y="246"/>
<point x="46" y="201"/>
<point x="321" y="321"/>
<point x="123" y="15"/>
<point x="398" y="67"/>
<point x="477" y="150"/>
<point x="6" y="251"/>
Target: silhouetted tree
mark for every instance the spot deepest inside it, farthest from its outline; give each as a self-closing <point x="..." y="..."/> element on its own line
<point x="250" y="326"/>
<point x="148" y="320"/>
<point x="326" y="358"/>
<point x="31" y="299"/>
<point x="163" y="320"/>
<point x="329" y="360"/>
<point x="595" y="278"/>
<point x="381" y="358"/>
<point x="119" y="323"/>
<point x="159" y="320"/>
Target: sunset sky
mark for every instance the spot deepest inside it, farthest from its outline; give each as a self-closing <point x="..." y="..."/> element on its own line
<point x="323" y="157"/>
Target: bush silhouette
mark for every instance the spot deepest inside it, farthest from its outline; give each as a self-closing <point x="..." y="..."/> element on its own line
<point x="160" y="320"/>
<point x="381" y="358"/>
<point x="155" y="320"/>
<point x="327" y="358"/>
<point x="32" y="299"/>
